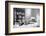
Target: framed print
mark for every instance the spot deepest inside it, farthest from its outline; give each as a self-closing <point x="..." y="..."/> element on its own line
<point x="24" y="17"/>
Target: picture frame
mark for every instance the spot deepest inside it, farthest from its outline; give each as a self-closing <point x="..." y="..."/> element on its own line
<point x="13" y="8"/>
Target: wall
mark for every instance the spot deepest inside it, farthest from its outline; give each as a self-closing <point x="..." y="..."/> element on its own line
<point x="2" y="18"/>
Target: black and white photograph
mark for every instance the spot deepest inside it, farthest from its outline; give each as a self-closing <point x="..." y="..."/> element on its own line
<point x="26" y="17"/>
